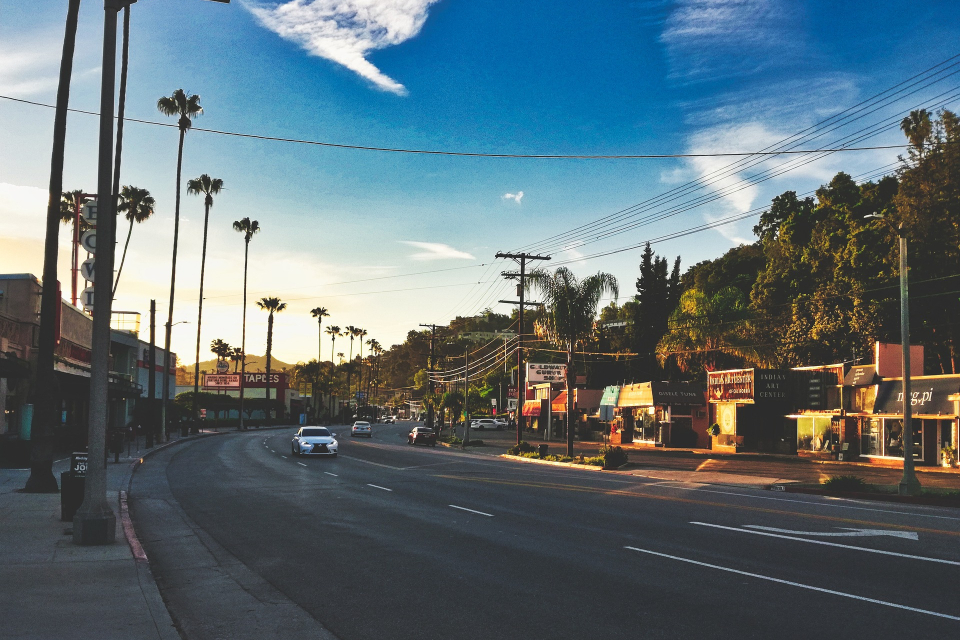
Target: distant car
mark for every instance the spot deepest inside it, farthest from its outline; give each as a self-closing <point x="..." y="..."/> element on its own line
<point x="422" y="435"/>
<point x="389" y="420"/>
<point x="501" y="423"/>
<point x="485" y="423"/>
<point x="314" y="441"/>
<point x="361" y="428"/>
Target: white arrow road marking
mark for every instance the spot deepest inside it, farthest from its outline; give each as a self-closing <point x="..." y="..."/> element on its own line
<point x="847" y="533"/>
<point x="797" y="584"/>
<point x="829" y="544"/>
<point x="379" y="487"/>
<point x="489" y="515"/>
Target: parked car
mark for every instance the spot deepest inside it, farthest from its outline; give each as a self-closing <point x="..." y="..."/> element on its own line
<point x="314" y="441"/>
<point x="422" y="435"/>
<point x="361" y="428"/>
<point x="485" y="423"/>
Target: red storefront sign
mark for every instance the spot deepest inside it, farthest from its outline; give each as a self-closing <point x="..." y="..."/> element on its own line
<point x="730" y="386"/>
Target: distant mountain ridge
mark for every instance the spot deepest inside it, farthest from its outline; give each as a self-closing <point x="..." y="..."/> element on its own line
<point x="254" y="364"/>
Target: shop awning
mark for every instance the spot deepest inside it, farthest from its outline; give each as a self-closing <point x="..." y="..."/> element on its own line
<point x="931" y="396"/>
<point x="663" y="394"/>
<point x="861" y="376"/>
<point x="531" y="408"/>
<point x="559" y="404"/>
<point x="608" y="401"/>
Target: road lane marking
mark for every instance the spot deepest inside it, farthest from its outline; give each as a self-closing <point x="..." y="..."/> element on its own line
<point x="301" y="464"/>
<point x="797" y="584"/>
<point x="830" y="544"/>
<point x="379" y="487"/>
<point x="707" y="503"/>
<point x="331" y="474"/>
<point x="284" y="457"/>
<point x="489" y="515"/>
<point x="849" y="533"/>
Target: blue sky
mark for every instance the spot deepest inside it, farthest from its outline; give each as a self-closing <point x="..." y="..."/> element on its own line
<point x="491" y="76"/>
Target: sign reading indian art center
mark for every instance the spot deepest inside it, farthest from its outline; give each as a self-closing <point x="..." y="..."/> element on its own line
<point x="748" y="385"/>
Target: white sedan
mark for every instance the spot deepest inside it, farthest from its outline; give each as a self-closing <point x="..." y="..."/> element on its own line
<point x="485" y="423"/>
<point x="314" y="441"/>
<point x="361" y="428"/>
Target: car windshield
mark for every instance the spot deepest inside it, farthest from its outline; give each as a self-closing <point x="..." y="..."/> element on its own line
<point x="320" y="431"/>
<point x="423" y="430"/>
<point x="361" y="424"/>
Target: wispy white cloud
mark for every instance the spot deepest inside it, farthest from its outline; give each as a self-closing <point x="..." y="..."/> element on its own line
<point x="436" y="251"/>
<point x="346" y="31"/>
<point x="26" y="71"/>
<point x="715" y="38"/>
<point x="516" y="197"/>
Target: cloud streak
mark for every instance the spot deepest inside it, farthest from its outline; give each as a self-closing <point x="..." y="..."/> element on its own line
<point x="436" y="251"/>
<point x="346" y="31"/>
<point x="516" y="197"/>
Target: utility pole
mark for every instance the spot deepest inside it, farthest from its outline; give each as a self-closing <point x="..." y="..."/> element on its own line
<point x="466" y="396"/>
<point x="430" y="364"/>
<point x="909" y="484"/>
<point x="521" y="288"/>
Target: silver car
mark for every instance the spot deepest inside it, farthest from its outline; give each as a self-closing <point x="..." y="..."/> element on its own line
<point x="361" y="428"/>
<point x="314" y="441"/>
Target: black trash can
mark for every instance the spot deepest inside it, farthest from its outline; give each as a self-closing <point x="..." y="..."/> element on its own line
<point x="542" y="450"/>
<point x="71" y="495"/>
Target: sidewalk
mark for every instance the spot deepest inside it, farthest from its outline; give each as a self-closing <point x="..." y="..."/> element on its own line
<point x="56" y="589"/>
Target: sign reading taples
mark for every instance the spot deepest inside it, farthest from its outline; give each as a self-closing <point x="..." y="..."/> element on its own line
<point x="546" y="372"/>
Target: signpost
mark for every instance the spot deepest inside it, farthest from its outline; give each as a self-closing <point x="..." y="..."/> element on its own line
<point x="222" y="366"/>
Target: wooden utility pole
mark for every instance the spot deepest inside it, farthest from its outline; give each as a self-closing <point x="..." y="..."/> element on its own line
<point x="521" y="288"/>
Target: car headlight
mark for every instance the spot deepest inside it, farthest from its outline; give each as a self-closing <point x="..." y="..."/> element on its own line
<point x="332" y="444"/>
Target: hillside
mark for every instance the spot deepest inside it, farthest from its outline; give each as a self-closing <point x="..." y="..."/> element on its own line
<point x="254" y="364"/>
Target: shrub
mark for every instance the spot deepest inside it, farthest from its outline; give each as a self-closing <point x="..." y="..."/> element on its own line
<point x="845" y="483"/>
<point x="713" y="430"/>
<point x="451" y="439"/>
<point x="613" y="457"/>
<point x="522" y="448"/>
<point x="596" y="461"/>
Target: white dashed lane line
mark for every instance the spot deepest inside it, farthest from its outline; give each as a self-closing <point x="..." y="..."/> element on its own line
<point x="331" y="474"/>
<point x="481" y="513"/>
<point x="301" y="464"/>
<point x="284" y="457"/>
<point x="379" y="487"/>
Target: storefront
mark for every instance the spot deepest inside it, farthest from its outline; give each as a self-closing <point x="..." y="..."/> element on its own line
<point x="751" y="409"/>
<point x="821" y="424"/>
<point x="585" y="403"/>
<point x="663" y="414"/>
<point x="934" y="419"/>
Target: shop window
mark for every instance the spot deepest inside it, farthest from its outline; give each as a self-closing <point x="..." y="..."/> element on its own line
<point x="648" y="426"/>
<point x="885" y="438"/>
<point x="864" y="399"/>
<point x="870" y="437"/>
<point x="814" y="434"/>
<point x="834" y="398"/>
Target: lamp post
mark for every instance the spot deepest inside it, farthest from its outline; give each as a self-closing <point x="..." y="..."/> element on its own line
<point x="165" y="385"/>
<point x="909" y="484"/>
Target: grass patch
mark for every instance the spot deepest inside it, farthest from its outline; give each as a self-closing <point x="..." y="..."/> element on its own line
<point x="846" y="483"/>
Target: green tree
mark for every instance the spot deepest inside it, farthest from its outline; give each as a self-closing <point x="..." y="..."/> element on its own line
<point x="568" y="321"/>
<point x="137" y="205"/>
<point x="248" y="228"/>
<point x="707" y="332"/>
<point x="236" y="357"/>
<point x="221" y="349"/>
<point x="271" y="306"/>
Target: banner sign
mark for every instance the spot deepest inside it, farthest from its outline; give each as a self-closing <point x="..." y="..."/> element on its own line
<point x="726" y="386"/>
<point x="221" y="381"/>
<point x="546" y="372"/>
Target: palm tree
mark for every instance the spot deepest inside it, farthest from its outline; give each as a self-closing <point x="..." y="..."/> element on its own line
<point x="361" y="333"/>
<point x="138" y="205"/>
<point x="236" y="356"/>
<point x="209" y="187"/>
<point x="319" y="313"/>
<point x="568" y="320"/>
<point x="271" y="305"/>
<point x="708" y="332"/>
<point x="247" y="227"/>
<point x="333" y="331"/>
<point x="221" y="349"/>
<point x="187" y="107"/>
<point x="375" y="350"/>
<point x="352" y="332"/>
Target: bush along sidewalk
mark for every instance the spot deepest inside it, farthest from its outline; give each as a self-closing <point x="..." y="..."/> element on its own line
<point x="609" y="457"/>
<point x="851" y="486"/>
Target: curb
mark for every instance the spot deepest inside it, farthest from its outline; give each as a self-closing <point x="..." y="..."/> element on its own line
<point x="928" y="500"/>
<point x="554" y="463"/>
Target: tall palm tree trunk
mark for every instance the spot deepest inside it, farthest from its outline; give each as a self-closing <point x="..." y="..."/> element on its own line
<point x="350" y="372"/>
<point x="41" y="478"/>
<point x="269" y="349"/>
<point x="173" y="282"/>
<point x="333" y="347"/>
<point x="243" y="338"/>
<point x="121" y="105"/>
<point x="203" y="266"/>
<point x="123" y="258"/>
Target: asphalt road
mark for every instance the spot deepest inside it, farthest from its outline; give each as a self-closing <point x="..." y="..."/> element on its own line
<point x="393" y="541"/>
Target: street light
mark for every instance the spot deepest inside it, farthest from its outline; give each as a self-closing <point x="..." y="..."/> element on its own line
<point x="909" y="484"/>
